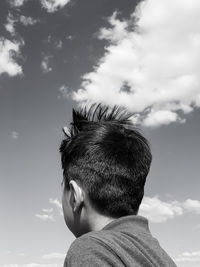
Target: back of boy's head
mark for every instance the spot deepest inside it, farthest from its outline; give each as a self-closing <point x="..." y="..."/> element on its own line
<point x="105" y="153"/>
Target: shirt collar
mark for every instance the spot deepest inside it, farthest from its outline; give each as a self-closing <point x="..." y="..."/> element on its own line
<point x="129" y="223"/>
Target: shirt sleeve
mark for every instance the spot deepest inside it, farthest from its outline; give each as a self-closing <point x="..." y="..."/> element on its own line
<point x="89" y="252"/>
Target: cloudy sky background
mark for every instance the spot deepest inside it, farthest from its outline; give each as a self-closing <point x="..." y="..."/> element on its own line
<point x="59" y="54"/>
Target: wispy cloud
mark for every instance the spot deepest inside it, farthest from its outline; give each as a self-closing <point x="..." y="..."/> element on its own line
<point x="155" y="53"/>
<point x="8" y="53"/>
<point x="48" y="210"/>
<point x="54" y="255"/>
<point x="59" y="44"/>
<point x="14" y="135"/>
<point x="45" y="217"/>
<point x="45" y="64"/>
<point x="57" y="203"/>
<point x="189" y="257"/>
<point x="26" y="21"/>
<point x="56" y="43"/>
<point x="54" y="5"/>
<point x="16" y="3"/>
<point x="50" y="5"/>
<point x="10" y="24"/>
<point x="158" y="211"/>
<point x="70" y="37"/>
<point x="192" y="205"/>
<point x="64" y="92"/>
<point x="49" y="214"/>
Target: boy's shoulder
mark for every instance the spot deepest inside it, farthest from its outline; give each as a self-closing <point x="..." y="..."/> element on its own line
<point x="90" y="241"/>
<point x="91" y="250"/>
<point x="124" y="242"/>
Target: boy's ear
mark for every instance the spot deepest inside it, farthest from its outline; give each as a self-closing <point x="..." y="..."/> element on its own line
<point x="76" y="196"/>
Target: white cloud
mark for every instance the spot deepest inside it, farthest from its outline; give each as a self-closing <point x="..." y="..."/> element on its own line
<point x="8" y="64"/>
<point x="48" y="210"/>
<point x="54" y="255"/>
<point x="158" y="117"/>
<point x="64" y="92"/>
<point x="49" y="38"/>
<point x="57" y="203"/>
<point x="192" y="205"/>
<point x="27" y="20"/>
<point x="10" y="25"/>
<point x="117" y="32"/>
<point x="156" y="54"/>
<point x="45" y="217"/>
<point x="16" y="3"/>
<point x="15" y="135"/>
<point x="47" y="214"/>
<point x="49" y="5"/>
<point x="70" y="37"/>
<point x="59" y="44"/>
<point x="45" y="64"/>
<point x="54" y="5"/>
<point x="158" y="211"/>
<point x="189" y="257"/>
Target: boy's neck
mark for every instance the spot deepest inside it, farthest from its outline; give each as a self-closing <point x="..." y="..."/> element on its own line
<point x="98" y="221"/>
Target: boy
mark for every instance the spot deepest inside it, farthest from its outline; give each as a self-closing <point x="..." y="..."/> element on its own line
<point x="105" y="162"/>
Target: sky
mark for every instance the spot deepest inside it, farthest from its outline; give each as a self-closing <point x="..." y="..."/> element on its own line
<point x="56" y="55"/>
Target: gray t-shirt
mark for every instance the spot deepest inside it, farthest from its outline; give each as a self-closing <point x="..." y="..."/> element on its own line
<point x="126" y="241"/>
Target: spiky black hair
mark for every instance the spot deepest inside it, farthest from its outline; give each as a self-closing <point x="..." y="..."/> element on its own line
<point x="97" y="113"/>
<point x="108" y="156"/>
